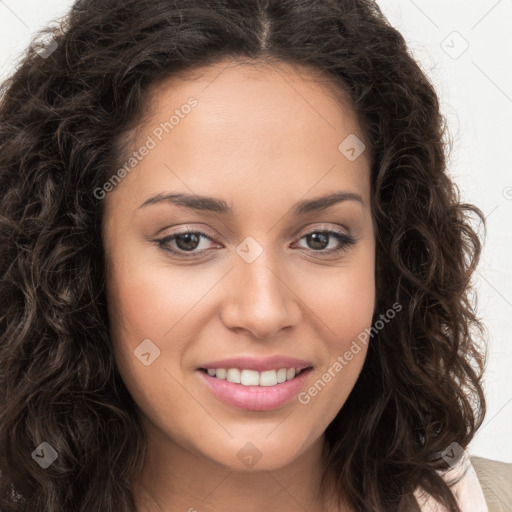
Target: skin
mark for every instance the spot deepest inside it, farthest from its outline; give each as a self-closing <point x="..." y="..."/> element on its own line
<point x="294" y="299"/>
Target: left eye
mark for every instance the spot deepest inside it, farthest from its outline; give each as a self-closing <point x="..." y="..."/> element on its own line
<point x="188" y="242"/>
<point x="320" y="238"/>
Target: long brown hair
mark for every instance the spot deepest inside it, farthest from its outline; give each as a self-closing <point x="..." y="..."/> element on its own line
<point x="62" y="115"/>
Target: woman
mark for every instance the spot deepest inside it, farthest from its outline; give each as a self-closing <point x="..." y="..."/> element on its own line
<point x="182" y="332"/>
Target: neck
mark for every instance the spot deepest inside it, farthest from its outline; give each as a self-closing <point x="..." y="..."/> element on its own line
<point x="177" y="479"/>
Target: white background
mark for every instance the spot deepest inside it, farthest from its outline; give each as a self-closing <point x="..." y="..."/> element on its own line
<point x="475" y="89"/>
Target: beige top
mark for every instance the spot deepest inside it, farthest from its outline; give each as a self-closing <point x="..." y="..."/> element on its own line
<point x="468" y="491"/>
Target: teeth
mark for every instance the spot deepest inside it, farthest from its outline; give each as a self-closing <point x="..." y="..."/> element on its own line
<point x="281" y="375"/>
<point x="250" y="378"/>
<point x="254" y="378"/>
<point x="233" y="375"/>
<point x="269" y="378"/>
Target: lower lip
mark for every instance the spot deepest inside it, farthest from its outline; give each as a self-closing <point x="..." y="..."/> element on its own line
<point x="255" y="398"/>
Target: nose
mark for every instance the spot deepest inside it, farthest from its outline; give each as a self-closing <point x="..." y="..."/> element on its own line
<point x="261" y="299"/>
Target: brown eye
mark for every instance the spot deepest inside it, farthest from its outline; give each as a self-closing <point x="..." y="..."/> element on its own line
<point x="184" y="242"/>
<point x="187" y="241"/>
<point x="319" y="240"/>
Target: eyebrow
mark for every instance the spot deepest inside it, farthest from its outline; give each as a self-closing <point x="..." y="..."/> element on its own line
<point x="215" y="205"/>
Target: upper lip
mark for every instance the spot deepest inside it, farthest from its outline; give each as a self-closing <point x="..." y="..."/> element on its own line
<point x="257" y="364"/>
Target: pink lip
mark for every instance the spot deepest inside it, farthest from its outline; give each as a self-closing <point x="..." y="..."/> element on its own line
<point x="255" y="398"/>
<point x="258" y="364"/>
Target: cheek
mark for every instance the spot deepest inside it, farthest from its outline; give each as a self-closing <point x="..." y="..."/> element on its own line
<point x="344" y="304"/>
<point x="346" y="345"/>
<point x="150" y="299"/>
<point x="346" y="312"/>
<point x="344" y="299"/>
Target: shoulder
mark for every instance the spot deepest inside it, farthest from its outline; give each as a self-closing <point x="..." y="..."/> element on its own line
<point x="465" y="484"/>
<point x="495" y="479"/>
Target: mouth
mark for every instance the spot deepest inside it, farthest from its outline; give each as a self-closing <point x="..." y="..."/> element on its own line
<point x="254" y="391"/>
<point x="247" y="377"/>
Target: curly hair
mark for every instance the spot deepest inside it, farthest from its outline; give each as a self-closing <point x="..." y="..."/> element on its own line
<point x="63" y="116"/>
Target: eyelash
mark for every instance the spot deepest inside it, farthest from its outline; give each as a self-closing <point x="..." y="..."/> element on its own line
<point x="345" y="239"/>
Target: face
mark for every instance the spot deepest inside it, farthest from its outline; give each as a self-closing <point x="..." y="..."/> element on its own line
<point x="268" y="277"/>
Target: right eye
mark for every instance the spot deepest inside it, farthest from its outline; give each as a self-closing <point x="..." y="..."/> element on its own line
<point x="185" y="241"/>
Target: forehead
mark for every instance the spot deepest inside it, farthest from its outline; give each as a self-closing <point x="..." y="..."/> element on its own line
<point x="254" y="128"/>
<point x="277" y="94"/>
